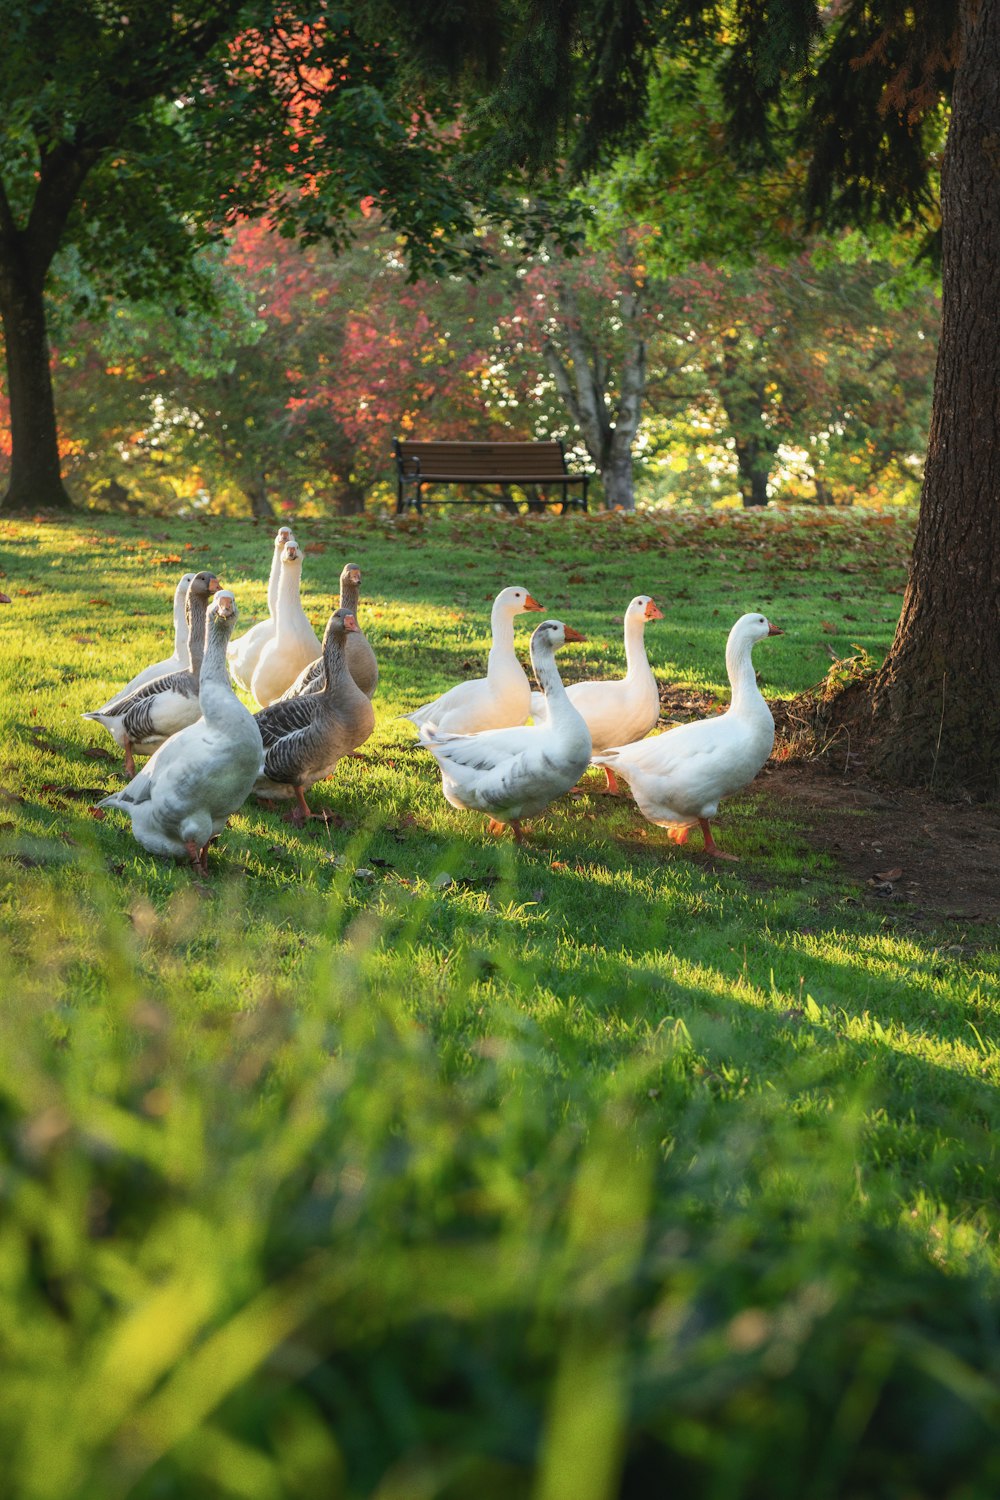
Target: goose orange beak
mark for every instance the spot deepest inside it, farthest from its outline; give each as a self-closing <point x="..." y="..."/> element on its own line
<point x="214" y="585"/>
<point x="773" y="629"/>
<point x="530" y="603"/>
<point x="572" y="635"/>
<point x="653" y="612"/>
<point x="350" y="623"/>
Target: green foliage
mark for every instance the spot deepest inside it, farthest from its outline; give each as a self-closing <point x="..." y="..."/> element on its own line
<point x="593" y="1171"/>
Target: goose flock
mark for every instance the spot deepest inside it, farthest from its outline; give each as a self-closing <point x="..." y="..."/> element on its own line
<point x="502" y="749"/>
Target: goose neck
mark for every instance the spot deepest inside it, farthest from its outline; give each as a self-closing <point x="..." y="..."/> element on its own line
<point x="544" y="662"/>
<point x="180" y="624"/>
<point x="214" y="671"/>
<point x="502" y="648"/>
<point x="636" y="660"/>
<point x="288" y="593"/>
<point x="349" y="594"/>
<point x="742" y="677"/>
<point x="197" y="610"/>
<point x="274" y="579"/>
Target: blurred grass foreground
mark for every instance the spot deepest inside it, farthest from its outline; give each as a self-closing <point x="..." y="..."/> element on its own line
<point x="321" y="1245"/>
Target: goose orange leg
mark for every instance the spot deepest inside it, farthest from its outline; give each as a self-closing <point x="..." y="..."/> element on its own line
<point x="198" y="861"/>
<point x="129" y="759"/>
<point x="496" y="827"/>
<point x="711" y="847"/>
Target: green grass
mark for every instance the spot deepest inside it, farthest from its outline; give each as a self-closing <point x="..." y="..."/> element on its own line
<point x="588" y="1169"/>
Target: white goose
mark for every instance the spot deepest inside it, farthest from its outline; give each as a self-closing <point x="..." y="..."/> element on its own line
<point x="185" y="793"/>
<point x="142" y="721"/>
<point x="244" y="653"/>
<point x="500" y="699"/>
<point x="619" y="712"/>
<point x="175" y="663"/>
<point x="294" y="643"/>
<point x="360" y="656"/>
<point x="514" y="773"/>
<point x="680" y="777"/>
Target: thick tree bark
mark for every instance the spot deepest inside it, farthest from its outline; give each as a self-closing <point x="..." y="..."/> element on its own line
<point x="934" y="715"/>
<point x="35" y="479"/>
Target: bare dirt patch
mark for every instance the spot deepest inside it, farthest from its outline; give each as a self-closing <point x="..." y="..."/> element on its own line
<point x="941" y="859"/>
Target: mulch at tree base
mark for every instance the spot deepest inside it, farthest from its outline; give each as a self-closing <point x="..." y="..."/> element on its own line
<point x="904" y="848"/>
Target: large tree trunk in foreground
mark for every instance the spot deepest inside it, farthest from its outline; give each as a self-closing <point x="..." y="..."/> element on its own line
<point x="934" y="705"/>
<point x="35" y="479"/>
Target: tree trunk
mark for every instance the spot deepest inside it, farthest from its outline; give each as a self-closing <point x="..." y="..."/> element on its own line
<point x="35" y="479"/>
<point x="256" y="492"/>
<point x="754" y="470"/>
<point x="934" y="703"/>
<point x="349" y="498"/>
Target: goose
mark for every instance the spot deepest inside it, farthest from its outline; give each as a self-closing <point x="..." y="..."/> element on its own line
<point x="680" y="777"/>
<point x="499" y="700"/>
<point x="187" y="791"/>
<point x="158" y="709"/>
<point x="360" y="657"/>
<point x="294" y="643"/>
<point x="174" y="663"/>
<point x="305" y="737"/>
<point x="244" y="653"/>
<point x="516" y="772"/>
<point x="619" y="712"/>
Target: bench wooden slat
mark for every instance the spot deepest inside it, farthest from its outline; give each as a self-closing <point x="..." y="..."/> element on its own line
<point x="425" y="462"/>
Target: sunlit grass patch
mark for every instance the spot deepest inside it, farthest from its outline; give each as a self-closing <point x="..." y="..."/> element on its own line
<point x="395" y="1159"/>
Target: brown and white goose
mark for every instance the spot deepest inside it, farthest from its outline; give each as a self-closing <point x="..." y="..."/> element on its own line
<point x="187" y="791"/>
<point x="360" y="656"/>
<point x="158" y="709"/>
<point x="305" y="737"/>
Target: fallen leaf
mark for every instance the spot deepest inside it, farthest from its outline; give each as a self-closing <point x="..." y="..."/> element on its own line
<point x="4" y="598"/>
<point x="893" y="874"/>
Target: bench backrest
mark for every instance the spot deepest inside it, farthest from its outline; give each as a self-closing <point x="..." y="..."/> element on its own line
<point x="537" y="460"/>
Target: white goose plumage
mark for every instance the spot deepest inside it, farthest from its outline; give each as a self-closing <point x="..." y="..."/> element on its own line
<point x="680" y="777"/>
<point x="185" y="793"/>
<point x="244" y="653"/>
<point x="515" y="773"/>
<point x="627" y="709"/>
<point x="294" y="643"/>
<point x="500" y="699"/>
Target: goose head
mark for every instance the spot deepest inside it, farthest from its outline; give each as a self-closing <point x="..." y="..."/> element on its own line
<point x="184" y="584"/>
<point x="282" y="537"/>
<point x="515" y="601"/>
<point x="203" y="585"/>
<point x="350" y="574"/>
<point x="223" y="609"/>
<point x="644" y="608"/>
<point x="291" y="552"/>
<point x="551" y="634"/>
<point x="752" y="628"/>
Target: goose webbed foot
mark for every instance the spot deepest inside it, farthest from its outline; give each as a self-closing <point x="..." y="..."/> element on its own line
<point x="302" y="812"/>
<point x="711" y="847"/>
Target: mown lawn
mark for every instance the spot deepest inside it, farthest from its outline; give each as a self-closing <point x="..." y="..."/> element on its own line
<point x="397" y="1161"/>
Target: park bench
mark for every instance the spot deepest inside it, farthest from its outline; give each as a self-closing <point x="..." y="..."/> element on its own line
<point x="539" y="469"/>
